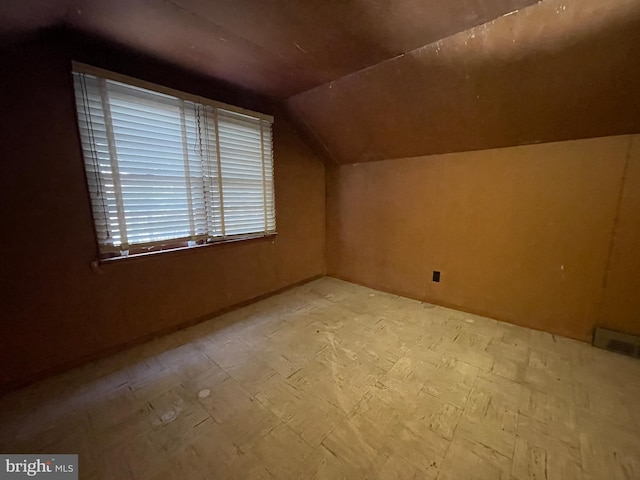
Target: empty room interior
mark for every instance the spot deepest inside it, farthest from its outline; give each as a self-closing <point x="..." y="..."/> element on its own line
<point x="391" y="239"/>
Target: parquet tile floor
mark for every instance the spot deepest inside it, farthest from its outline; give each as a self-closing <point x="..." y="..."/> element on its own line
<point x="332" y="380"/>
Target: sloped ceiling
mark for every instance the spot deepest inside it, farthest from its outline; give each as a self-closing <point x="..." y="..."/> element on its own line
<point x="381" y="79"/>
<point x="559" y="70"/>
<point x="274" y="47"/>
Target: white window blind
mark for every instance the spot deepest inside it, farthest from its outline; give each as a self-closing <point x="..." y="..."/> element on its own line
<point x="168" y="170"/>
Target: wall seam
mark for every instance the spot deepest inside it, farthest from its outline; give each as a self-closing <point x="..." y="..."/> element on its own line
<point x="614" y="229"/>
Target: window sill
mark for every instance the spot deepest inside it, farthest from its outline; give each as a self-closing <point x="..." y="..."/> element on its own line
<point x="97" y="264"/>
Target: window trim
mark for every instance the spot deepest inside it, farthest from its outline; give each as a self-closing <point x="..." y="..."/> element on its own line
<point x="177" y="245"/>
<point x="179" y="250"/>
<point x="136" y="82"/>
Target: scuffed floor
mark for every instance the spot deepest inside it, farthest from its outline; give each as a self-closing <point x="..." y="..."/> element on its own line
<point x="333" y="380"/>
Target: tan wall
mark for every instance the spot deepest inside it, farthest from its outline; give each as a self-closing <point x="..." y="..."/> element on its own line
<point x="520" y="234"/>
<point x="621" y="305"/>
<point x="55" y="309"/>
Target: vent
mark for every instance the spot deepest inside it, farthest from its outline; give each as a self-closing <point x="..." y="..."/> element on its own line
<point x="617" y="342"/>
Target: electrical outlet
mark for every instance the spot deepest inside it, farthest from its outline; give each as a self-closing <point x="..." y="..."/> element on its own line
<point x="436" y="276"/>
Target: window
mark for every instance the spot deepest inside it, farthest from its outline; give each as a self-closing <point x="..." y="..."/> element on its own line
<point x="167" y="169"/>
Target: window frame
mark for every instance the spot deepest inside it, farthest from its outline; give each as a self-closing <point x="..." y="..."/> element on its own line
<point x="177" y="244"/>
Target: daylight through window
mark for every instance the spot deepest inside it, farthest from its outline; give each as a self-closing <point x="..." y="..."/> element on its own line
<point x="168" y="170"/>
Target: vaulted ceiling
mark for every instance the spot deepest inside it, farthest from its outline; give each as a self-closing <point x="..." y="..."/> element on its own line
<point x="275" y="47"/>
<point x="558" y="70"/>
<point x="382" y="79"/>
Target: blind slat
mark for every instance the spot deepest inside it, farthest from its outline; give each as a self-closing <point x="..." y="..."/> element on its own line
<point x="160" y="167"/>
